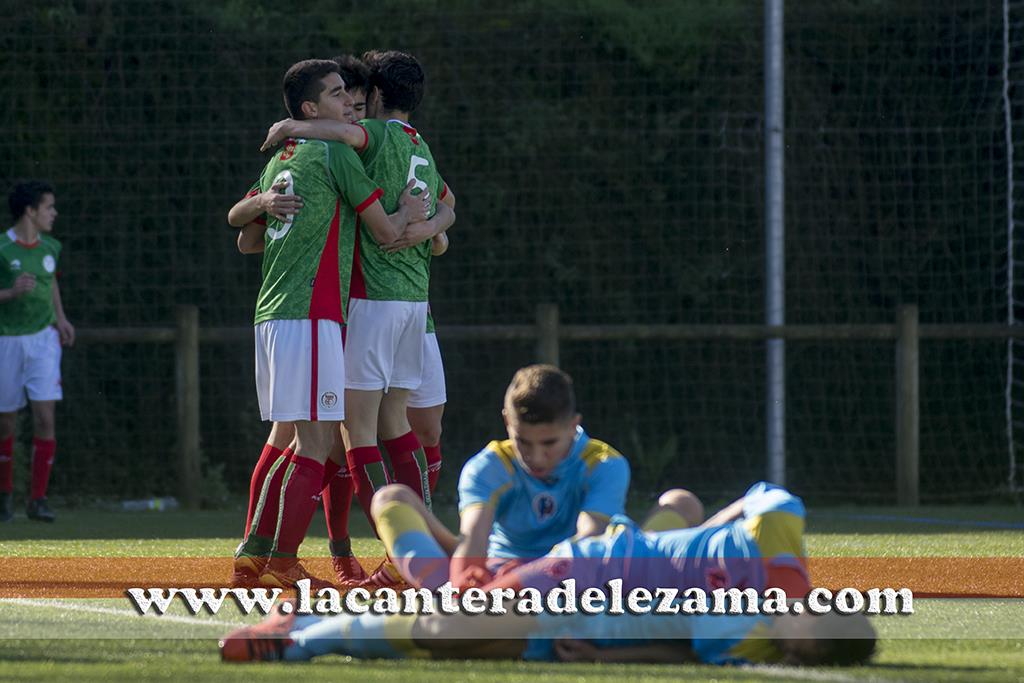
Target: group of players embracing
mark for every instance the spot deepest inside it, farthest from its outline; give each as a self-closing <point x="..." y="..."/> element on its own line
<point x="342" y="335"/>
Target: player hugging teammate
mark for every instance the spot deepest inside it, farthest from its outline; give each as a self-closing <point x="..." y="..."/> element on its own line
<point x="352" y="210"/>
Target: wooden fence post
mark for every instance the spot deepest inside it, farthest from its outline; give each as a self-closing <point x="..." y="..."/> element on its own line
<point x="908" y="427"/>
<point x="186" y="366"/>
<point x="547" y="334"/>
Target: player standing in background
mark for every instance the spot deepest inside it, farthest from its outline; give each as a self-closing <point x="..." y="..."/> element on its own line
<point x="32" y="329"/>
<point x="300" y="369"/>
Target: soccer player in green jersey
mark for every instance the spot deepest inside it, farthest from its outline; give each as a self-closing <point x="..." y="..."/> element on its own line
<point x="389" y="282"/>
<point x="337" y="494"/>
<point x="300" y="372"/>
<point x="32" y="329"/>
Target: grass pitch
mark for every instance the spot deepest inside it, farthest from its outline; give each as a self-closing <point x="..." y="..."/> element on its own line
<point x="101" y="639"/>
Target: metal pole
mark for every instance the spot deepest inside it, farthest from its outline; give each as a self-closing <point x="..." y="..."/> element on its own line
<point x="186" y="360"/>
<point x="908" y="421"/>
<point x="775" y="249"/>
<point x="547" y="334"/>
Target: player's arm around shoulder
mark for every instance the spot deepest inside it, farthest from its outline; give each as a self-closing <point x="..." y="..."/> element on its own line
<point x="351" y="134"/>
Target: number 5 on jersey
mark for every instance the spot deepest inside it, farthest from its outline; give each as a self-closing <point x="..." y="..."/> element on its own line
<point x="415" y="163"/>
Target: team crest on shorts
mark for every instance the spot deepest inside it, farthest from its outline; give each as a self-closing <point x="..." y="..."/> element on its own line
<point x="544" y="506"/>
<point x="328" y="399"/>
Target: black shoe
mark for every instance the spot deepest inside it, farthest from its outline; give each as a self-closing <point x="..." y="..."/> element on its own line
<point x="6" y="511"/>
<point x="38" y="510"/>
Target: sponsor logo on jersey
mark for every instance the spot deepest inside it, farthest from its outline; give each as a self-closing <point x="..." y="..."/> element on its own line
<point x="328" y="399"/>
<point x="16" y="264"/>
<point x="49" y="263"/>
<point x="544" y="506"/>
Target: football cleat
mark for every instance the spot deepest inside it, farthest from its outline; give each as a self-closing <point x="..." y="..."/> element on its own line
<point x="264" y="642"/>
<point x="39" y="510"/>
<point x="246" y="571"/>
<point x="348" y="571"/>
<point x="283" y="572"/>
<point x="385" y="576"/>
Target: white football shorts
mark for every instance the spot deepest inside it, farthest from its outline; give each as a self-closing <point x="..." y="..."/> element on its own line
<point x="431" y="391"/>
<point x="29" y="366"/>
<point x="384" y="344"/>
<point x="300" y="370"/>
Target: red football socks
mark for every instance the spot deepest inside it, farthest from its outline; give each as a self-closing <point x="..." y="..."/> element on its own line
<point x="43" y="451"/>
<point x="298" y="502"/>
<point x="259" y="473"/>
<point x="433" y="464"/>
<point x="7" y="465"/>
<point x="410" y="464"/>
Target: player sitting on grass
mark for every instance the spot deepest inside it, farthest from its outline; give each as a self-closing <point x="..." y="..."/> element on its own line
<point x="300" y="359"/>
<point x="517" y="498"/>
<point x="756" y="542"/>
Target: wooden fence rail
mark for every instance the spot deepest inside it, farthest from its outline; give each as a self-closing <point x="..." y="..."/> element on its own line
<point x="548" y="332"/>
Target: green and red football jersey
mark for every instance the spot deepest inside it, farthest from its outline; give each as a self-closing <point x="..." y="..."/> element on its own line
<point x="307" y="260"/>
<point x="394" y="154"/>
<point x="32" y="311"/>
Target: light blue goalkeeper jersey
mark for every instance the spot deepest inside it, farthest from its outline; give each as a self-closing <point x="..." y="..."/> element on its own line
<point x="532" y="515"/>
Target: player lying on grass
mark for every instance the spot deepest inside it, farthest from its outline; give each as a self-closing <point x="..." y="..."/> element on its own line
<point x="314" y="246"/>
<point x="754" y="543"/>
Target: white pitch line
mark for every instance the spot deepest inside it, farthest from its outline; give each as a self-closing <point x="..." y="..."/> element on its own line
<point x="74" y="607"/>
<point x="796" y="673"/>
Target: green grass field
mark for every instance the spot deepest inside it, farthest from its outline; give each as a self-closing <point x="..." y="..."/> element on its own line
<point x="102" y="639"/>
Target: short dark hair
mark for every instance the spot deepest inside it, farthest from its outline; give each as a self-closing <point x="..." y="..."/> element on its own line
<point x="355" y="74"/>
<point x="841" y="640"/>
<point x="27" y="194"/>
<point x="398" y="76"/>
<point x="302" y="84"/>
<point x="540" y="394"/>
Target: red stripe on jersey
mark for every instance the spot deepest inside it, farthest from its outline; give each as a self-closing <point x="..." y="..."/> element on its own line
<point x="325" y="304"/>
<point x="374" y="196"/>
<point x="313" y="370"/>
<point x="261" y="220"/>
<point x="356" y="284"/>
<point x="444" y="192"/>
<point x="252" y="193"/>
<point x="411" y="132"/>
<point x="366" y="139"/>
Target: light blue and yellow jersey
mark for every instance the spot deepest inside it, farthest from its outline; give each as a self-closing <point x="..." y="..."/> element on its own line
<point x="532" y="515"/>
<point x="771" y="530"/>
<point x="763" y="548"/>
